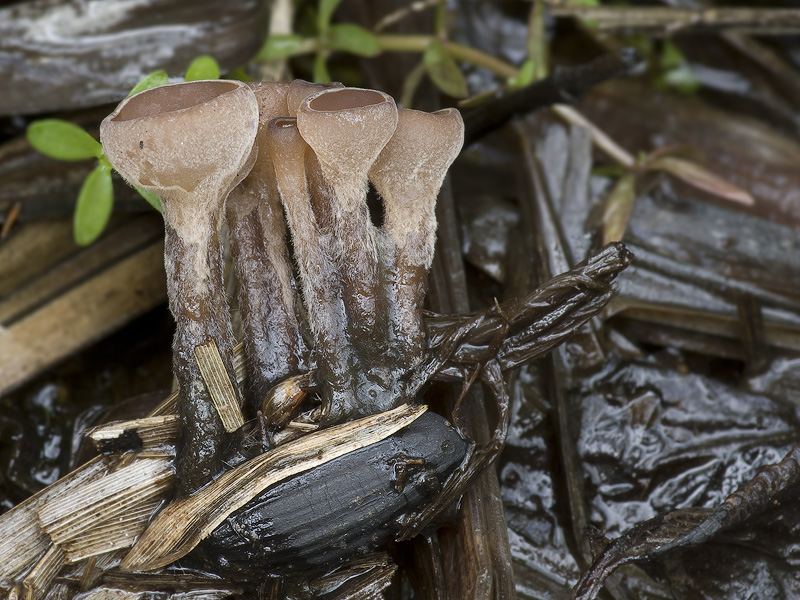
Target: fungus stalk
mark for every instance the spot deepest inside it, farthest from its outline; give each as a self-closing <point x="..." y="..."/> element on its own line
<point x="273" y="343"/>
<point x="312" y="249"/>
<point x="408" y="174"/>
<point x="190" y="144"/>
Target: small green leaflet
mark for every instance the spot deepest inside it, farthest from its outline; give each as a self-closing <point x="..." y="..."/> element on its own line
<point x="348" y="37"/>
<point x="62" y="140"/>
<point x="279" y="45"/>
<point x="202" y="67"/>
<point x="443" y="71"/>
<point x="524" y="76"/>
<point x="95" y="202"/>
<point x="325" y="13"/>
<point x="151" y="198"/>
<point x="155" y="79"/>
<point x="321" y="74"/>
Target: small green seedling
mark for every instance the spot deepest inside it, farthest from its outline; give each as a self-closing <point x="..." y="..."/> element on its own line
<point x="63" y="140"/>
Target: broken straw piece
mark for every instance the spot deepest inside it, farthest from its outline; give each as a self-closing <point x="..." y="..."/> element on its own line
<point x="219" y="385"/>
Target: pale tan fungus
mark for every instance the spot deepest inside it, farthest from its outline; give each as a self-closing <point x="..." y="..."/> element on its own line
<point x="273" y="342"/>
<point x="190" y="143"/>
<point x="408" y="174"/>
<point x="347" y="128"/>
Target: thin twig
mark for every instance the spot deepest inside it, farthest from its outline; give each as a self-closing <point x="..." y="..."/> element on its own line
<point x="665" y="20"/>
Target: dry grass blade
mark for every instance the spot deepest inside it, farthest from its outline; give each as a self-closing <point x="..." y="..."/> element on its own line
<point x="701" y="178"/>
<point x="619" y="206"/>
<point x="38" y="581"/>
<point x="22" y="523"/>
<point x="183" y="524"/>
<point x="117" y="532"/>
<point x="155" y="433"/>
<point x="99" y="503"/>
<point x="219" y="385"/>
<point x="169" y="405"/>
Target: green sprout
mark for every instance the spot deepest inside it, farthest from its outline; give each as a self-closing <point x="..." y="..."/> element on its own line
<point x="66" y="141"/>
<point x="439" y="56"/>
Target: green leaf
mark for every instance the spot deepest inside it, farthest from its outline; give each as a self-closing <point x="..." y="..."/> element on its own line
<point x="239" y="74"/>
<point x="324" y="14"/>
<point x="95" y="201"/>
<point x="62" y="140"/>
<point x="410" y="85"/>
<point x="151" y="198"/>
<point x="155" y="79"/>
<point x="443" y="71"/>
<point x="671" y="56"/>
<point x="321" y="74"/>
<point x="279" y="46"/>
<point x="524" y="75"/>
<point x="348" y="37"/>
<point x="202" y="67"/>
<point x="681" y="78"/>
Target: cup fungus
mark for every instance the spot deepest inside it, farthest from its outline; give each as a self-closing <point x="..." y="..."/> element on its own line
<point x="273" y="343"/>
<point x="347" y="128"/>
<point x="408" y="174"/>
<point x="299" y="90"/>
<point x="321" y="193"/>
<point x="312" y="249"/>
<point x="190" y="143"/>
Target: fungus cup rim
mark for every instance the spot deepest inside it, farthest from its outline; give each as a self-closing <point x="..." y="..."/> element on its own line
<point x="158" y="109"/>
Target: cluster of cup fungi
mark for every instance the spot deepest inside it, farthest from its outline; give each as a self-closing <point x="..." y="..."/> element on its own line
<point x="331" y="306"/>
<point x="263" y="156"/>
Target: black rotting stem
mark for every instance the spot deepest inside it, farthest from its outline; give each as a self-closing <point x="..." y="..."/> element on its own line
<point x="690" y="527"/>
<point x="565" y="86"/>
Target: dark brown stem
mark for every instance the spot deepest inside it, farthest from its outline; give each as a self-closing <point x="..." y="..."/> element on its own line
<point x="274" y="346"/>
<point x="198" y="319"/>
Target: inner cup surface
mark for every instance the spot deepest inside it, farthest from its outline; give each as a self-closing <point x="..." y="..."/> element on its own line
<point x="345" y="98"/>
<point x="172" y="98"/>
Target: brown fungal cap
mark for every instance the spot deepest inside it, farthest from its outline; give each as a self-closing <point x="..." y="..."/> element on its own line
<point x="170" y="98"/>
<point x="299" y="90"/>
<point x="272" y="99"/>
<point x="347" y="128"/>
<point x="183" y="137"/>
